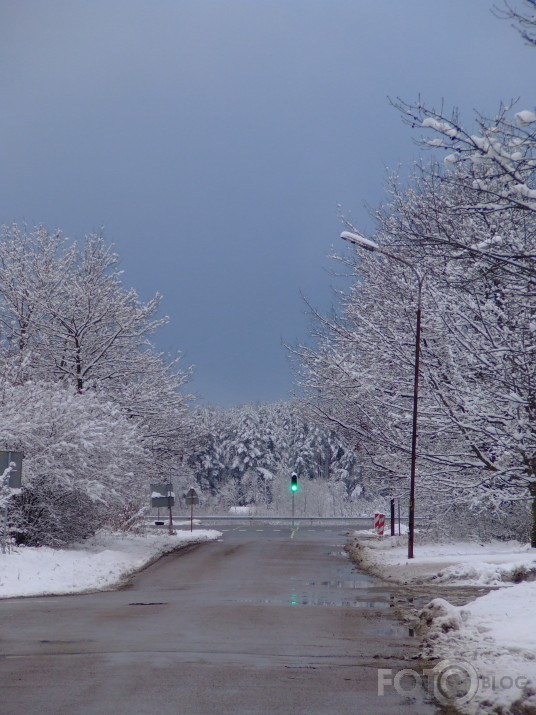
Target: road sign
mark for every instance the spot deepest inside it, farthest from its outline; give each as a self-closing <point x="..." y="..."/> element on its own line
<point x="162" y="496"/>
<point x="191" y="497"/>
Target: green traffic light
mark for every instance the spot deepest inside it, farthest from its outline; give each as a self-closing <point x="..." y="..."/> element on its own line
<point x="294" y="483"/>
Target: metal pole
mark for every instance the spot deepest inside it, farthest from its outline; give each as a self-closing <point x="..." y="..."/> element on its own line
<point x="392" y="517"/>
<point x="4" y="535"/>
<point x="411" y="514"/>
<point x="292" y="509"/>
<point x="170" y="530"/>
<point x="192" y="515"/>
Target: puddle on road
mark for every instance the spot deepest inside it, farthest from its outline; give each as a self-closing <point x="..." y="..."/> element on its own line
<point x="313" y="599"/>
<point x="343" y="587"/>
<point x="346" y="589"/>
<point x="357" y="583"/>
<point x="376" y="600"/>
<point x="331" y="580"/>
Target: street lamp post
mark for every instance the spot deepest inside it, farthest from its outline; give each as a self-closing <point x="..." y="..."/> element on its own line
<point x="367" y="244"/>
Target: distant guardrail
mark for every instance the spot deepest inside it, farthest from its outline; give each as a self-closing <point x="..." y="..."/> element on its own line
<point x="360" y="520"/>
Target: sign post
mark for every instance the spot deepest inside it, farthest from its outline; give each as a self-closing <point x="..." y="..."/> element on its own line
<point x="191" y="497"/>
<point x="170" y="497"/>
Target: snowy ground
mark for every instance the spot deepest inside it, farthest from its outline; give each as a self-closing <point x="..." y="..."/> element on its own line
<point x="488" y="646"/>
<point x="102" y="562"/>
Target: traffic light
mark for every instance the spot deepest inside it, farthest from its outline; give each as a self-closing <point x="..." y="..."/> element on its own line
<point x="294" y="483"/>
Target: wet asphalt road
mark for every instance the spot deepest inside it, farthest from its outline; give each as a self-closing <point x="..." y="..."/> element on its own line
<point x="268" y="620"/>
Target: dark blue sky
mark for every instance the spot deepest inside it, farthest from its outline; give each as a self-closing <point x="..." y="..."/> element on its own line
<point x="213" y="139"/>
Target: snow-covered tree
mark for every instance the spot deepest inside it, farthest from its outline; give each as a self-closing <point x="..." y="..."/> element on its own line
<point x="476" y="407"/>
<point x="491" y="174"/>
<point x="478" y="353"/>
<point x="466" y="227"/>
<point x="34" y="265"/>
<point x="248" y="453"/>
<point x="498" y="160"/>
<point x="69" y="327"/>
<point x="524" y="20"/>
<point x="96" y="329"/>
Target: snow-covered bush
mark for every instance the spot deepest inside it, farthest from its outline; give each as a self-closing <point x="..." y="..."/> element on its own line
<point x="82" y="458"/>
<point x="482" y="522"/>
<point x="46" y="513"/>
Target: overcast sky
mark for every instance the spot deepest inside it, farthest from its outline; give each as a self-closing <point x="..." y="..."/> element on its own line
<point x="213" y="139"/>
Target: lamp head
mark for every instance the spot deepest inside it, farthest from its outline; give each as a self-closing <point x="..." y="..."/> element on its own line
<point x="357" y="240"/>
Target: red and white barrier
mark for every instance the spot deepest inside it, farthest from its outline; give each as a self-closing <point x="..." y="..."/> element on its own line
<point x="379" y="523"/>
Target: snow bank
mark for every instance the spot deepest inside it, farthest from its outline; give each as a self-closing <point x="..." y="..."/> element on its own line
<point x="490" y="642"/>
<point x="99" y="563"/>
<point x="468" y="563"/>
<point x="494" y="639"/>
